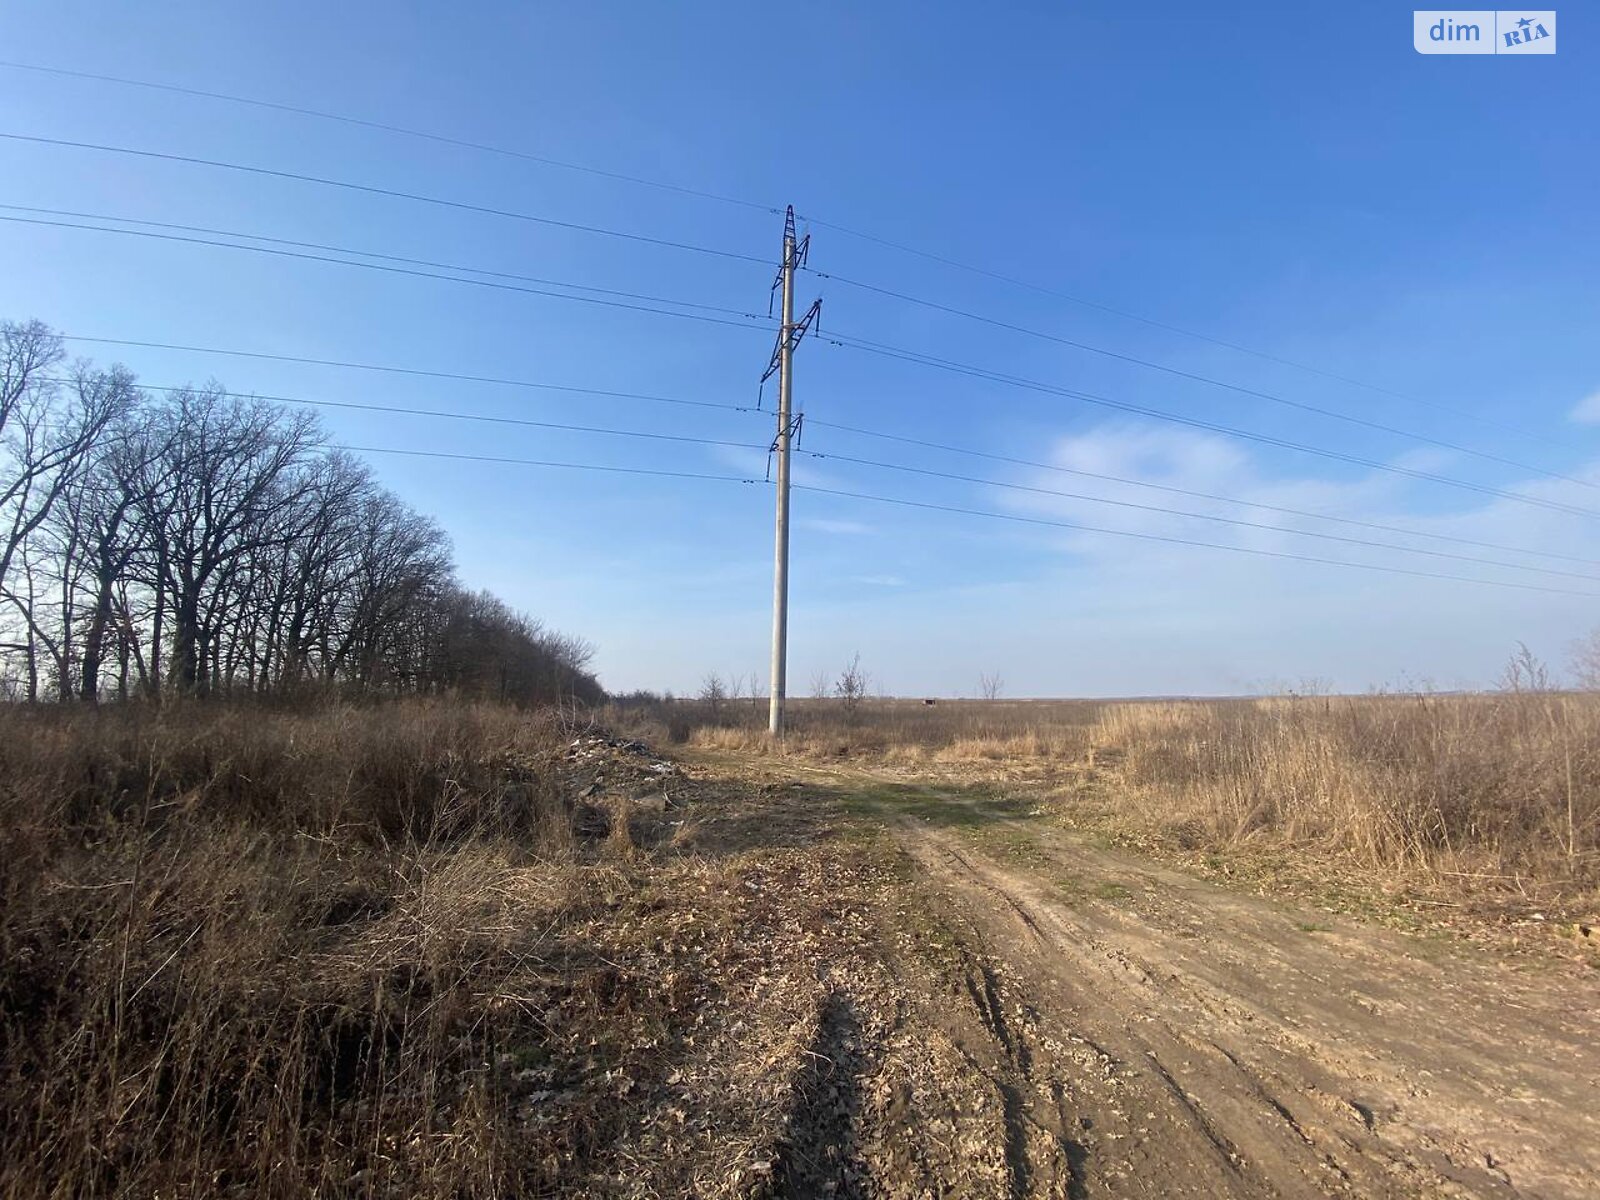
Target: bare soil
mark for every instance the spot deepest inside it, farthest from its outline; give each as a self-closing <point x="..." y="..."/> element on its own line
<point x="1019" y="1012"/>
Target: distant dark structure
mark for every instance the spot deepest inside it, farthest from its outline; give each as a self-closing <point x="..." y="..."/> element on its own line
<point x="929" y="703"/>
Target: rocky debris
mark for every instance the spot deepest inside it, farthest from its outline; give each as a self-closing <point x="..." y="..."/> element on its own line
<point x="602" y="765"/>
<point x="614" y="783"/>
<point x="601" y="747"/>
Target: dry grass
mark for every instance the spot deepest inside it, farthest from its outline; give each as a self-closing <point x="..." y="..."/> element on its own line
<point x="388" y="951"/>
<point x="245" y="951"/>
<point x="1503" y="786"/>
<point x="356" y="952"/>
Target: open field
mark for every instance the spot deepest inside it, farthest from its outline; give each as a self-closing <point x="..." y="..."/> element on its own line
<point x="1478" y="792"/>
<point x="1247" y="948"/>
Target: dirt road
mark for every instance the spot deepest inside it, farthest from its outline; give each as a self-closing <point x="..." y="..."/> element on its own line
<point x="1055" y="1019"/>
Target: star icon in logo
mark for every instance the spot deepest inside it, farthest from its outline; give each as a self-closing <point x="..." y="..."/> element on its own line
<point x="1525" y="22"/>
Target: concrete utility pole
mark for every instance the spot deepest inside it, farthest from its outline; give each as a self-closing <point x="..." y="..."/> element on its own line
<point x="790" y="332"/>
<point x="780" y="566"/>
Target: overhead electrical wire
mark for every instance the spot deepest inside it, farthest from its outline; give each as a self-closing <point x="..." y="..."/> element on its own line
<point x="746" y="321"/>
<point x="398" y="258"/>
<point x="901" y="247"/>
<point x="390" y="193"/>
<point x="446" y="414"/>
<point x="876" y="348"/>
<point x="1162" y="510"/>
<point x="537" y="462"/>
<point x="842" y="340"/>
<point x="1178" y="541"/>
<point x="743" y="316"/>
<point x="1196" y="377"/>
<point x="814" y="423"/>
<point x="1072" y="526"/>
<point x="870" y="464"/>
<point x="1041" y="289"/>
<point x="452" y="376"/>
<point x="385" y="127"/>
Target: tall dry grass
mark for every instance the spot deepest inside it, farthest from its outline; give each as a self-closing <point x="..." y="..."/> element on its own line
<point x="252" y="952"/>
<point x="1500" y="784"/>
<point x="901" y="729"/>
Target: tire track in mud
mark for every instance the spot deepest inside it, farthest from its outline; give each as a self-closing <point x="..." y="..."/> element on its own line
<point x="1249" y="1095"/>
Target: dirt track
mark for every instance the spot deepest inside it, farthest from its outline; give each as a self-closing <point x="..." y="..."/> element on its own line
<point x="1064" y="1020"/>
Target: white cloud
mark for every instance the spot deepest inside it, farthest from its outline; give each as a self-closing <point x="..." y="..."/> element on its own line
<point x="1587" y="410"/>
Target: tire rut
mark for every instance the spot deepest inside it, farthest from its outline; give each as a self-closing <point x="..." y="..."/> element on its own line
<point x="1270" y="1089"/>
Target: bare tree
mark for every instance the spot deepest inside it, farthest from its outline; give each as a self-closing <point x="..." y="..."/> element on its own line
<point x="45" y="439"/>
<point x="851" y="688"/>
<point x="205" y="541"/>
<point x="225" y="461"/>
<point x="990" y="686"/>
<point x="821" y="687"/>
<point x="1585" y="657"/>
<point x="1524" y="672"/>
<point x="713" y="694"/>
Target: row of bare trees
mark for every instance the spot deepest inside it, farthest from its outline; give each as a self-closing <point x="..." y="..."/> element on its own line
<point x="195" y="541"/>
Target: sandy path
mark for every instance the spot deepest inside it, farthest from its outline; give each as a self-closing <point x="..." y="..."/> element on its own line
<point x="1151" y="1034"/>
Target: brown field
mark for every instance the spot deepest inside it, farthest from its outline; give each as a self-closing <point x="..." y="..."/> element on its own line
<point x="1472" y="788"/>
<point x="1288" y="946"/>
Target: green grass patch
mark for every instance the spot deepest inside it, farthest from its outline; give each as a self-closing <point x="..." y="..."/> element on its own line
<point x="964" y="808"/>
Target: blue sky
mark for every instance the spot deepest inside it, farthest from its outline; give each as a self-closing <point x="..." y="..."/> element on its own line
<point x="1295" y="180"/>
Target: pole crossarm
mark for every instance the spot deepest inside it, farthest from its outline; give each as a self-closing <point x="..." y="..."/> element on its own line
<point x="789" y="337"/>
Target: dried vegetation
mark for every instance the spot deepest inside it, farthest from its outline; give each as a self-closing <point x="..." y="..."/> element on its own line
<point x="409" y="949"/>
<point x="1499" y="789"/>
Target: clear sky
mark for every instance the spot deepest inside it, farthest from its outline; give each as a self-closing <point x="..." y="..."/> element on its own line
<point x="1292" y="179"/>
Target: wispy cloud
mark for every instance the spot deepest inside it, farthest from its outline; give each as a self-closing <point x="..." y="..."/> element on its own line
<point x="892" y="581"/>
<point x="1587" y="410"/>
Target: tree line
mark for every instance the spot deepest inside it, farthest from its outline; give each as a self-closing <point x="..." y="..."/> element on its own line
<point x="196" y="541"/>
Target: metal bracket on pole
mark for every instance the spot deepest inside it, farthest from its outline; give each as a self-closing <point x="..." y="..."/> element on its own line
<point x="795" y="430"/>
<point x="791" y="340"/>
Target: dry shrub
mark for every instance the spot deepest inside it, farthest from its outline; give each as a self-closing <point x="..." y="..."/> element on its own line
<point x="1048" y="742"/>
<point x="895" y="731"/>
<point x="250" y="952"/>
<point x="1506" y="783"/>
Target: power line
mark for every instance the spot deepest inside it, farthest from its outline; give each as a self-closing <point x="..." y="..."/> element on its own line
<point x="1193" y="376"/>
<point x="943" y="364"/>
<point x="373" y="190"/>
<point x="1177" y="541"/>
<point x="452" y="376"/>
<point x="718" y="309"/>
<point x="402" y="410"/>
<point x="824" y="424"/>
<point x="870" y="463"/>
<point x="888" y="243"/>
<point x="1056" y="293"/>
<point x="983" y="513"/>
<point x="417" y="262"/>
<point x="749" y="321"/>
<point x="442" y="139"/>
<point x="1178" y="512"/>
<point x="1191" y="493"/>
<point x="537" y="462"/>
